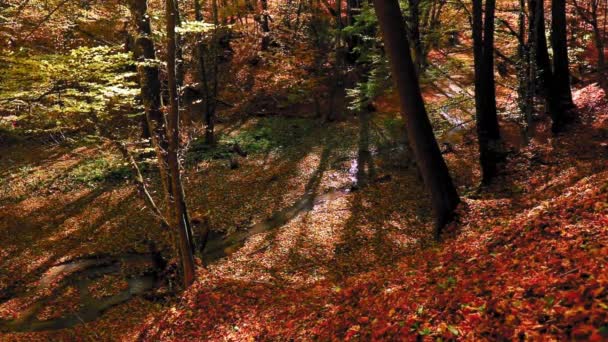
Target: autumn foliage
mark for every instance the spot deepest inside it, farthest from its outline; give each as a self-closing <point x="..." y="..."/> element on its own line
<point x="187" y="170"/>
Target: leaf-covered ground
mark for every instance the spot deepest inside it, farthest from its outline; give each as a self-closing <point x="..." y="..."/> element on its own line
<point x="526" y="260"/>
<point x="351" y="255"/>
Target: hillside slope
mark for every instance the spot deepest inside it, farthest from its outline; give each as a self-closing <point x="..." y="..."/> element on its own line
<point x="527" y="259"/>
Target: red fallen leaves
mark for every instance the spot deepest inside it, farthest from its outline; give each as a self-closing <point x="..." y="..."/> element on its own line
<point x="507" y="272"/>
<point x="510" y="289"/>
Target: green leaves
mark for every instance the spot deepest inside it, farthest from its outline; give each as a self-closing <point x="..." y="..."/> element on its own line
<point x="62" y="90"/>
<point x="196" y="27"/>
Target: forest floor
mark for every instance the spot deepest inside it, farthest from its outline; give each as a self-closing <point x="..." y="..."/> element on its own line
<point x="65" y="203"/>
<point x="343" y="248"/>
<point x="321" y="232"/>
<point x="526" y="258"/>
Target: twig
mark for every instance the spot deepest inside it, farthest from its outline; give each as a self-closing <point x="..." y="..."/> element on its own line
<point x="139" y="178"/>
<point x="46" y="18"/>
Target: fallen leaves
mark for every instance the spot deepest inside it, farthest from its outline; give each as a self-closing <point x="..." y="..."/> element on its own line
<point x="531" y="266"/>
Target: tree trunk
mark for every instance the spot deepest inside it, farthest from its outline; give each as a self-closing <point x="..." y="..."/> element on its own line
<point x="599" y="44"/>
<point x="485" y="89"/>
<point x="338" y="90"/>
<point x="177" y="203"/>
<point x="265" y="23"/>
<point x="150" y="84"/>
<point x="559" y="42"/>
<point x="543" y="61"/>
<point x="598" y="37"/>
<point x="434" y="171"/>
<point x="414" y="34"/>
<point x="524" y="89"/>
<point x="204" y="79"/>
<point x="543" y="66"/>
<point x="210" y="111"/>
<point x="180" y="70"/>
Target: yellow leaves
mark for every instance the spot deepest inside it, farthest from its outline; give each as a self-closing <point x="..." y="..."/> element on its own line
<point x="445" y="329"/>
<point x="511" y="319"/>
<point x="600" y="207"/>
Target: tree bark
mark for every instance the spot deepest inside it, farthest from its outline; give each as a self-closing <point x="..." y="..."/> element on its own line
<point x="543" y="66"/>
<point x="265" y="23"/>
<point x="543" y="61"/>
<point x="180" y="70"/>
<point x="177" y="203"/>
<point x="149" y="75"/>
<point x="434" y="171"/>
<point x="559" y="42"/>
<point x="415" y="36"/>
<point x="485" y="89"/>
<point x="210" y="112"/>
<point x="525" y="87"/>
<point x="204" y="79"/>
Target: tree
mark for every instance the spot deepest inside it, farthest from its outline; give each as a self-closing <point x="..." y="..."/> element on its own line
<point x="208" y="82"/>
<point x="485" y="89"/>
<point x="414" y="34"/>
<point x="179" y="51"/>
<point x="207" y="96"/>
<point x="179" y="212"/>
<point x="589" y="11"/>
<point x="525" y="71"/>
<point x="559" y="43"/>
<point x="149" y="79"/>
<point x="544" y="69"/>
<point x="434" y="171"/>
<point x="265" y="23"/>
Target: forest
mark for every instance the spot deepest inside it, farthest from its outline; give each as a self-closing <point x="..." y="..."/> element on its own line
<point x="303" y="170"/>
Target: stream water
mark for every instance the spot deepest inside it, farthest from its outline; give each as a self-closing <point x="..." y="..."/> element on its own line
<point x="81" y="274"/>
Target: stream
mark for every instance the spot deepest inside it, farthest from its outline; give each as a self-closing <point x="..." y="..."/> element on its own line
<point x="81" y="274"/>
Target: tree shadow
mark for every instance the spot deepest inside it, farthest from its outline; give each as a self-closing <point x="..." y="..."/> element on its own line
<point x="263" y="188"/>
<point x="216" y="249"/>
<point x="368" y="240"/>
<point x="47" y="235"/>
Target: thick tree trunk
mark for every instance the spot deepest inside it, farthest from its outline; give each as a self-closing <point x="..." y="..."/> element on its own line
<point x="543" y="66"/>
<point x="485" y="89"/>
<point x="177" y="203"/>
<point x="434" y="171"/>
<point x="559" y="42"/>
<point x="543" y="61"/>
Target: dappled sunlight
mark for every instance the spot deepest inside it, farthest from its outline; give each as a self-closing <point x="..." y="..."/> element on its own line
<point x="303" y="170"/>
